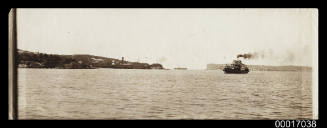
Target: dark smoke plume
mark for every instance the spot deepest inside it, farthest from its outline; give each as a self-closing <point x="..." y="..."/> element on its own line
<point x="248" y="55"/>
<point x="298" y="56"/>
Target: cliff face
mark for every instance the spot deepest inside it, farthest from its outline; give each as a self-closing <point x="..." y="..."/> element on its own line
<point x="263" y="67"/>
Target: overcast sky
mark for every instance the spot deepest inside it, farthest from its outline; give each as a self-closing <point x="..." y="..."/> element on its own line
<point x="189" y="38"/>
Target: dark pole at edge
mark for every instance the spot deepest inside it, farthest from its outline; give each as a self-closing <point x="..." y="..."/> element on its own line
<point x="13" y="66"/>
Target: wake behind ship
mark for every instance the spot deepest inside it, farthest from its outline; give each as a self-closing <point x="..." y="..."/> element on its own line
<point x="236" y="67"/>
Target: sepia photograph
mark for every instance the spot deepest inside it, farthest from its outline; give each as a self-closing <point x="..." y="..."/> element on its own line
<point x="161" y="63"/>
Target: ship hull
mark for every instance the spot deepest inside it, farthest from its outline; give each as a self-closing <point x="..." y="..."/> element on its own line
<point x="230" y="71"/>
<point x="235" y="72"/>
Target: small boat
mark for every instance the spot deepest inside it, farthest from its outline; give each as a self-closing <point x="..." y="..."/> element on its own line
<point x="180" y="68"/>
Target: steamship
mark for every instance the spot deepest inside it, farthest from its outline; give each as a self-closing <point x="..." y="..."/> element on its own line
<point x="236" y="67"/>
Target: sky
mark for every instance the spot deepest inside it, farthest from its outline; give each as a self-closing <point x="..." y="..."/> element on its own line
<point x="190" y="38"/>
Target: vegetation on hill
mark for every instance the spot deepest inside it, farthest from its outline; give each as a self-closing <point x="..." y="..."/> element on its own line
<point x="28" y="59"/>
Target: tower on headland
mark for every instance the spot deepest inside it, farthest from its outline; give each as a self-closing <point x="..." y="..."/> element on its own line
<point x="122" y="60"/>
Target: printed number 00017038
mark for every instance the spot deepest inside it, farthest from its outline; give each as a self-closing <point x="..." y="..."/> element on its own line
<point x="295" y="124"/>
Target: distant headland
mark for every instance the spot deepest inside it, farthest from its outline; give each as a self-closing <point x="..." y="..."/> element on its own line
<point x="27" y="59"/>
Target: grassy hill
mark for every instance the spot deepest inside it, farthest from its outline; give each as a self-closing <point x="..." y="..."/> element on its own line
<point x="28" y="59"/>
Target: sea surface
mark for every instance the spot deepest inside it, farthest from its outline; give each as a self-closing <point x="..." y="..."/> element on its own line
<point x="163" y="94"/>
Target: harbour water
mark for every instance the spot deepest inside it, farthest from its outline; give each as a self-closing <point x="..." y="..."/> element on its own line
<point x="163" y="94"/>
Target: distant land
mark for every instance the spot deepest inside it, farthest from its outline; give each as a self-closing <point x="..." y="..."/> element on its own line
<point x="263" y="67"/>
<point x="27" y="59"/>
<point x="180" y="68"/>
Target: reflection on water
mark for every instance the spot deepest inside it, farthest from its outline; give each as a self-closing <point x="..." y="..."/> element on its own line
<point x="162" y="94"/>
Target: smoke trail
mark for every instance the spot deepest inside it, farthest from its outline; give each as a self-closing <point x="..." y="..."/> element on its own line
<point x="248" y="55"/>
<point x="299" y="56"/>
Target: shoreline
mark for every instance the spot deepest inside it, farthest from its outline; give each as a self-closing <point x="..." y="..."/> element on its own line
<point x="178" y="70"/>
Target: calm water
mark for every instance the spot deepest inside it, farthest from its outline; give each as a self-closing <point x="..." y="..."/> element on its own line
<point x="162" y="94"/>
